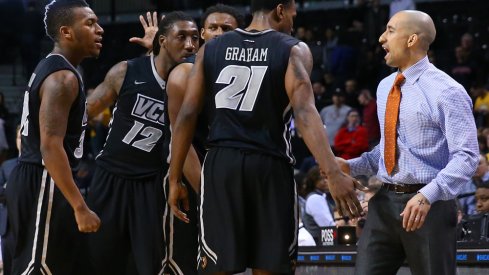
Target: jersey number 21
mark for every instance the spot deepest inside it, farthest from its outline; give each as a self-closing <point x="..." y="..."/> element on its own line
<point x="249" y="78"/>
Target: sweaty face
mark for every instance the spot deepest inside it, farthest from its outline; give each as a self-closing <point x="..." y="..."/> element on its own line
<point x="182" y="40"/>
<point x="87" y="33"/>
<point x="216" y="24"/>
<point x="395" y="42"/>
<point x="482" y="200"/>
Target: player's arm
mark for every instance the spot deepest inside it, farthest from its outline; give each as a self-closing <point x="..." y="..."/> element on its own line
<point x="57" y="93"/>
<point x="299" y="90"/>
<point x="183" y="132"/>
<point x="176" y="86"/>
<point x="106" y="92"/>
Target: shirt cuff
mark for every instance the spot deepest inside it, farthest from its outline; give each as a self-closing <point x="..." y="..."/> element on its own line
<point x="431" y="192"/>
<point x="354" y="164"/>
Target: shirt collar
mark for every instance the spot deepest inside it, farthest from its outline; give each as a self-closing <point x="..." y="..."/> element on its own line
<point x="160" y="81"/>
<point x="414" y="72"/>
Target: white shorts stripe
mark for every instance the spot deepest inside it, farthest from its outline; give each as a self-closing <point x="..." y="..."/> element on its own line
<point x="30" y="266"/>
<point x="165" y="214"/>
<point x="211" y="254"/>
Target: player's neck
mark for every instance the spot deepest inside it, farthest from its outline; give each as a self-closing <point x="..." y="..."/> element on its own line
<point x="69" y="55"/>
<point x="260" y="22"/>
<point x="163" y="64"/>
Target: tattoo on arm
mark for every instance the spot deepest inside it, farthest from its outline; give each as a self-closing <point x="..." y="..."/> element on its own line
<point x="106" y="93"/>
<point x="58" y="91"/>
<point x="302" y="60"/>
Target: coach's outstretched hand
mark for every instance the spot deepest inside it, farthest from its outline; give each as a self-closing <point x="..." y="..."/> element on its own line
<point x="87" y="220"/>
<point x="178" y="196"/>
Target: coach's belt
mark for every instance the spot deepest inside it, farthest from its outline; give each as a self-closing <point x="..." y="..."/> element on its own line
<point x="401" y="188"/>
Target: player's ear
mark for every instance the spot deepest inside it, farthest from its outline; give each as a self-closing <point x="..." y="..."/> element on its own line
<point x="202" y="31"/>
<point x="280" y="11"/>
<point x="162" y="41"/>
<point x="65" y="32"/>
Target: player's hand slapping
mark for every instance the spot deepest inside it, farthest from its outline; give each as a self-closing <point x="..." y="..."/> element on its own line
<point x="150" y="30"/>
<point x="87" y="220"/>
<point x="343" y="190"/>
<point x="178" y="196"/>
<point x="415" y="212"/>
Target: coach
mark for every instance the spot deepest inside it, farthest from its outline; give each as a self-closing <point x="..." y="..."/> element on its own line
<point x="427" y="152"/>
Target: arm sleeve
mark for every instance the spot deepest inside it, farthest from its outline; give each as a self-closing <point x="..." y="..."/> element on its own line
<point x="454" y="110"/>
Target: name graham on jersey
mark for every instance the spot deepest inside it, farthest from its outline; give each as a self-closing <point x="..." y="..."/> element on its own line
<point x="246" y="54"/>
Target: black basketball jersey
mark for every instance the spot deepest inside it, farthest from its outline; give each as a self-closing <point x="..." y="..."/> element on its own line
<point x="77" y="119"/>
<point x="134" y="146"/>
<point x="245" y="78"/>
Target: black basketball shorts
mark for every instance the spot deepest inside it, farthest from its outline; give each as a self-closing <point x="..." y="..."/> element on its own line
<point x="131" y="233"/>
<point x="248" y="213"/>
<point x="42" y="224"/>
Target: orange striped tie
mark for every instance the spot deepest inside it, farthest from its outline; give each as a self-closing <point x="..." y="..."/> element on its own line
<point x="391" y="116"/>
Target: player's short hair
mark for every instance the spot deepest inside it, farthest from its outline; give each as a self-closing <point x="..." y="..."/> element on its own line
<point x="221" y="8"/>
<point x="60" y="13"/>
<point x="166" y="24"/>
<point x="267" y="5"/>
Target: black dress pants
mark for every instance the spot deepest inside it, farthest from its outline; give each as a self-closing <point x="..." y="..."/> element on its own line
<point x="384" y="245"/>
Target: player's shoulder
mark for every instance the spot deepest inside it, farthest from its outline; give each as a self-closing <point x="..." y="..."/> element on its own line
<point x="63" y="78"/>
<point x="190" y="59"/>
<point x="118" y="69"/>
<point x="180" y="73"/>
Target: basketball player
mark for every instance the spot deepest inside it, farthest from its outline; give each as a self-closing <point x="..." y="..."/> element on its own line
<point x="248" y="208"/>
<point x="46" y="210"/>
<point x="181" y="238"/>
<point x="127" y="187"/>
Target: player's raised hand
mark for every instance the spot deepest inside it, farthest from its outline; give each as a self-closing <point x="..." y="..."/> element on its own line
<point x="87" y="220"/>
<point x="178" y="196"/>
<point x="150" y="29"/>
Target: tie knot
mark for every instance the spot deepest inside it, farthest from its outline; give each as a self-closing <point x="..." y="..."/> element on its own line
<point x="399" y="79"/>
